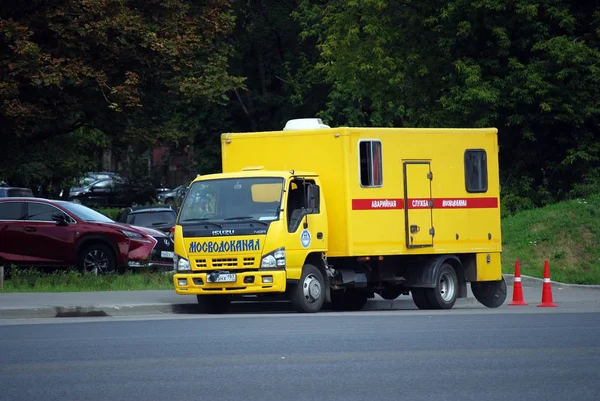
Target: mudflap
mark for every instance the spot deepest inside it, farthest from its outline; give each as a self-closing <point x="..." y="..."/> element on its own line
<point x="491" y="294"/>
<point x="423" y="274"/>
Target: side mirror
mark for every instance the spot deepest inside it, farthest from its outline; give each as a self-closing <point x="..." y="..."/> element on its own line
<point x="314" y="198"/>
<point x="60" y="219"/>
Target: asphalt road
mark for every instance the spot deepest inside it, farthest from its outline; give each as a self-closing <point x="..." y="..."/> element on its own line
<point x="352" y="356"/>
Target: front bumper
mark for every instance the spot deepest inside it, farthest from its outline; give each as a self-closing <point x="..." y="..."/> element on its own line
<point x="154" y="264"/>
<point x="157" y="256"/>
<point x="195" y="283"/>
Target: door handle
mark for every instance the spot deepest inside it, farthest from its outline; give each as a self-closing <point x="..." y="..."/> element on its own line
<point x="30" y="229"/>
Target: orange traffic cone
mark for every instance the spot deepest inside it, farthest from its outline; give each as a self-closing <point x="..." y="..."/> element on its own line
<point x="547" y="289"/>
<point x="518" y="288"/>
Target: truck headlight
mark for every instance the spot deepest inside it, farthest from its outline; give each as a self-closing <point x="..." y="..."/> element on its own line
<point x="274" y="259"/>
<point x="182" y="264"/>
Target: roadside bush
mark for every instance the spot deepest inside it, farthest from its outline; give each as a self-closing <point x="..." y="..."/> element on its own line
<point x="26" y="278"/>
<point x="589" y="187"/>
<point x="512" y="203"/>
<point x="109" y="211"/>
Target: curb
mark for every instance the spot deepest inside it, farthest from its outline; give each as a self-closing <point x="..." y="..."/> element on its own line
<point x="534" y="281"/>
<point x="404" y="303"/>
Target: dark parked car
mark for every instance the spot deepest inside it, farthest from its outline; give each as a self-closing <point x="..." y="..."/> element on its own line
<point x="85" y="181"/>
<point x="11" y="192"/>
<point x="111" y="192"/>
<point x="158" y="217"/>
<point x="175" y="196"/>
<point x="42" y="232"/>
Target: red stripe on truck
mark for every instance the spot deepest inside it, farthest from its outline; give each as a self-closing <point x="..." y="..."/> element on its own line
<point x="465" y="203"/>
<point x="424" y="203"/>
<point x="375" y="204"/>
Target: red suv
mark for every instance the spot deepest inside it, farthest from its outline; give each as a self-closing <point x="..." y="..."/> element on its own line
<point x="42" y="232"/>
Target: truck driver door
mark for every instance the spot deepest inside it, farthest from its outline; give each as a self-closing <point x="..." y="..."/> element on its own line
<point x="305" y="225"/>
<point x="418" y="204"/>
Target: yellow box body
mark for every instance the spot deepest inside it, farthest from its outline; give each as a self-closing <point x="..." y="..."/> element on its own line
<point x="360" y="220"/>
<point x="422" y="206"/>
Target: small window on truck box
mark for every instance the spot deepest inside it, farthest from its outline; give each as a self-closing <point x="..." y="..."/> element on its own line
<point x="476" y="173"/>
<point x="371" y="174"/>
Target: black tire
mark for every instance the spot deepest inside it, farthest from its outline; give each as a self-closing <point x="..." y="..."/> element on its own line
<point x="308" y="295"/>
<point x="214" y="304"/>
<point x="348" y="300"/>
<point x="420" y="298"/>
<point x="445" y="293"/>
<point x="491" y="294"/>
<point x="97" y="259"/>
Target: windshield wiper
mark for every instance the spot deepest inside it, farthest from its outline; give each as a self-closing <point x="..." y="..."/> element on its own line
<point x="202" y="220"/>
<point x="247" y="218"/>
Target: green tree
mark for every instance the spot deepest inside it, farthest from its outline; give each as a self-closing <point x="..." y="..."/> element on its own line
<point x="277" y="66"/>
<point x="528" y="67"/>
<point x="279" y="82"/>
<point x="51" y="165"/>
<point x="119" y="66"/>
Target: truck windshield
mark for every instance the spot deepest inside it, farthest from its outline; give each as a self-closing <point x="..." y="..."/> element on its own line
<point x="257" y="198"/>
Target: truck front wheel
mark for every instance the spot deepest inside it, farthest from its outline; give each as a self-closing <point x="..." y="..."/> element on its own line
<point x="308" y="295"/>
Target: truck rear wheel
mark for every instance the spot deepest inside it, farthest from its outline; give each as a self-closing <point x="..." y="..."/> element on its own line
<point x="308" y="295"/>
<point x="491" y="294"/>
<point x="214" y="303"/>
<point x="444" y="295"/>
<point x="349" y="300"/>
<point x="420" y="298"/>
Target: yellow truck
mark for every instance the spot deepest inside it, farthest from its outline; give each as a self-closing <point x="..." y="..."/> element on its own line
<point x="334" y="216"/>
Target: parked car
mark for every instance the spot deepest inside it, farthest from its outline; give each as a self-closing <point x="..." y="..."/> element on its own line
<point x="160" y="218"/>
<point x="11" y="192"/>
<point x="85" y="181"/>
<point x="43" y="232"/>
<point x="162" y="189"/>
<point x="111" y="192"/>
<point x="175" y="196"/>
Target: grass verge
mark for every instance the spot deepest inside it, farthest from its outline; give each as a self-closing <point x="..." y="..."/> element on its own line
<point x="31" y="280"/>
<point x="567" y="234"/>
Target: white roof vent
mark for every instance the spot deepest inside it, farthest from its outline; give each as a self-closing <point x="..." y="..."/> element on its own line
<point x="304" y="123"/>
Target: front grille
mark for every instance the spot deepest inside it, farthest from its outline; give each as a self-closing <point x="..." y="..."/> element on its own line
<point x="220" y="263"/>
<point x="227" y="262"/>
<point x="163" y="244"/>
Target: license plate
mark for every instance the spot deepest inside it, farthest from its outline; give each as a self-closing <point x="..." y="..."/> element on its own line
<point x="166" y="254"/>
<point x="221" y="278"/>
